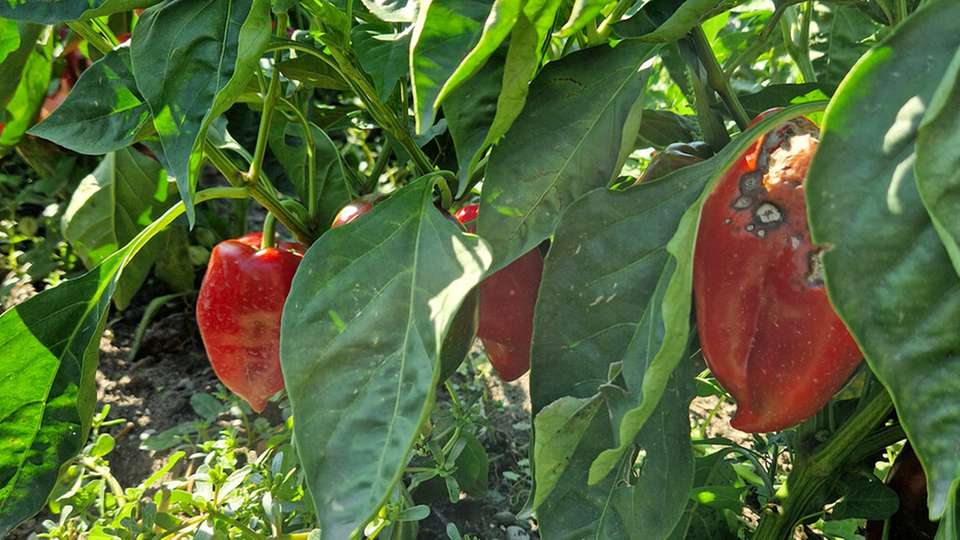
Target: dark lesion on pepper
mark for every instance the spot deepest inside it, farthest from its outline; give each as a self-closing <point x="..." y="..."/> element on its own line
<point x="778" y="162"/>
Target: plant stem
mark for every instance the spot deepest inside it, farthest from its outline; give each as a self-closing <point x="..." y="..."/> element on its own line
<point x="92" y="35"/>
<point x="475" y="177"/>
<point x="901" y="10"/>
<point x="234" y="176"/>
<point x="245" y="531"/>
<point x="347" y="67"/>
<point x="268" y="239"/>
<point x="266" y="197"/>
<point x="378" y="166"/>
<point x="760" y="43"/>
<point x="614" y="17"/>
<point x="266" y="115"/>
<point x="717" y="79"/>
<point x="809" y="477"/>
<point x="112" y="483"/>
<point x="313" y="189"/>
<point x="446" y="196"/>
<point x="714" y="132"/>
<point x="800" y="52"/>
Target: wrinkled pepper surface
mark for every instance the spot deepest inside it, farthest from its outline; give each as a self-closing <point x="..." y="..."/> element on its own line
<point x="507" y="301"/>
<point x="238" y="312"/>
<point x="768" y="331"/>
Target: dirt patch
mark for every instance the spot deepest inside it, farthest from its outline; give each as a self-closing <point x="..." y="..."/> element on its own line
<point x="152" y="391"/>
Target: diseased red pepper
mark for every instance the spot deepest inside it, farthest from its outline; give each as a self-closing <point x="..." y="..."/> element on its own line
<point x="507" y="301"/>
<point x="238" y="312"/>
<point x="768" y="331"/>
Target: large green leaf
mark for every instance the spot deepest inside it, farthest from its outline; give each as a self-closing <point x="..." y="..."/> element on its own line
<point x="633" y="506"/>
<point x="47" y="386"/>
<point x="619" y="240"/>
<point x="445" y="32"/>
<point x="360" y="344"/>
<point x="566" y="142"/>
<point x="938" y="161"/>
<point x="55" y="11"/>
<point x="290" y="147"/>
<point x="887" y="273"/>
<point x="503" y="15"/>
<point x="191" y="60"/>
<point x="125" y="193"/>
<point x="104" y="111"/>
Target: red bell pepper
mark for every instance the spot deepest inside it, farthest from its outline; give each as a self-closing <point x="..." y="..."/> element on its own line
<point x="768" y="331"/>
<point x="238" y="312"/>
<point x="507" y="302"/>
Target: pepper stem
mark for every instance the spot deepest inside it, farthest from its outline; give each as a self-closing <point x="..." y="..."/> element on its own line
<point x="269" y="232"/>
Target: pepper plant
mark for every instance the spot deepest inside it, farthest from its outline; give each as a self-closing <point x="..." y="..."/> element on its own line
<point x="622" y="142"/>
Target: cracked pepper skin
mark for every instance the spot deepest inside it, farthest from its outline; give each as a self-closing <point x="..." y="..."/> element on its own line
<point x="768" y="331"/>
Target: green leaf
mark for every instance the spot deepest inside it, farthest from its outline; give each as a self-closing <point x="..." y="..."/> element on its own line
<point x="619" y="239"/>
<point x="659" y="339"/>
<point x="527" y="43"/>
<point x="631" y="505"/>
<point x="548" y="159"/>
<point x="864" y="497"/>
<point x="191" y="60"/>
<point x="103" y="445"/>
<point x="56" y="11"/>
<point x="359" y="389"/>
<point x="583" y="12"/>
<point x="315" y="72"/>
<point x="47" y="378"/>
<point x="680" y="21"/>
<point x="24" y="86"/>
<point x="780" y="95"/>
<point x="938" y="161"/>
<point x="446" y="30"/>
<point x="864" y="204"/>
<point x="104" y="111"/>
<point x="503" y="15"/>
<point x="704" y="517"/>
<point x="394" y="11"/>
<point x="473" y="466"/>
<point x="470" y="110"/>
<point x="460" y="336"/>
<point x="173" y="266"/>
<point x="26" y="36"/>
<point x="383" y="54"/>
<point x="663" y="128"/>
<point x="561" y="427"/>
<point x="290" y="147"/>
<point x="124" y="194"/>
<point x="846" y="33"/>
<point x="9" y="38"/>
